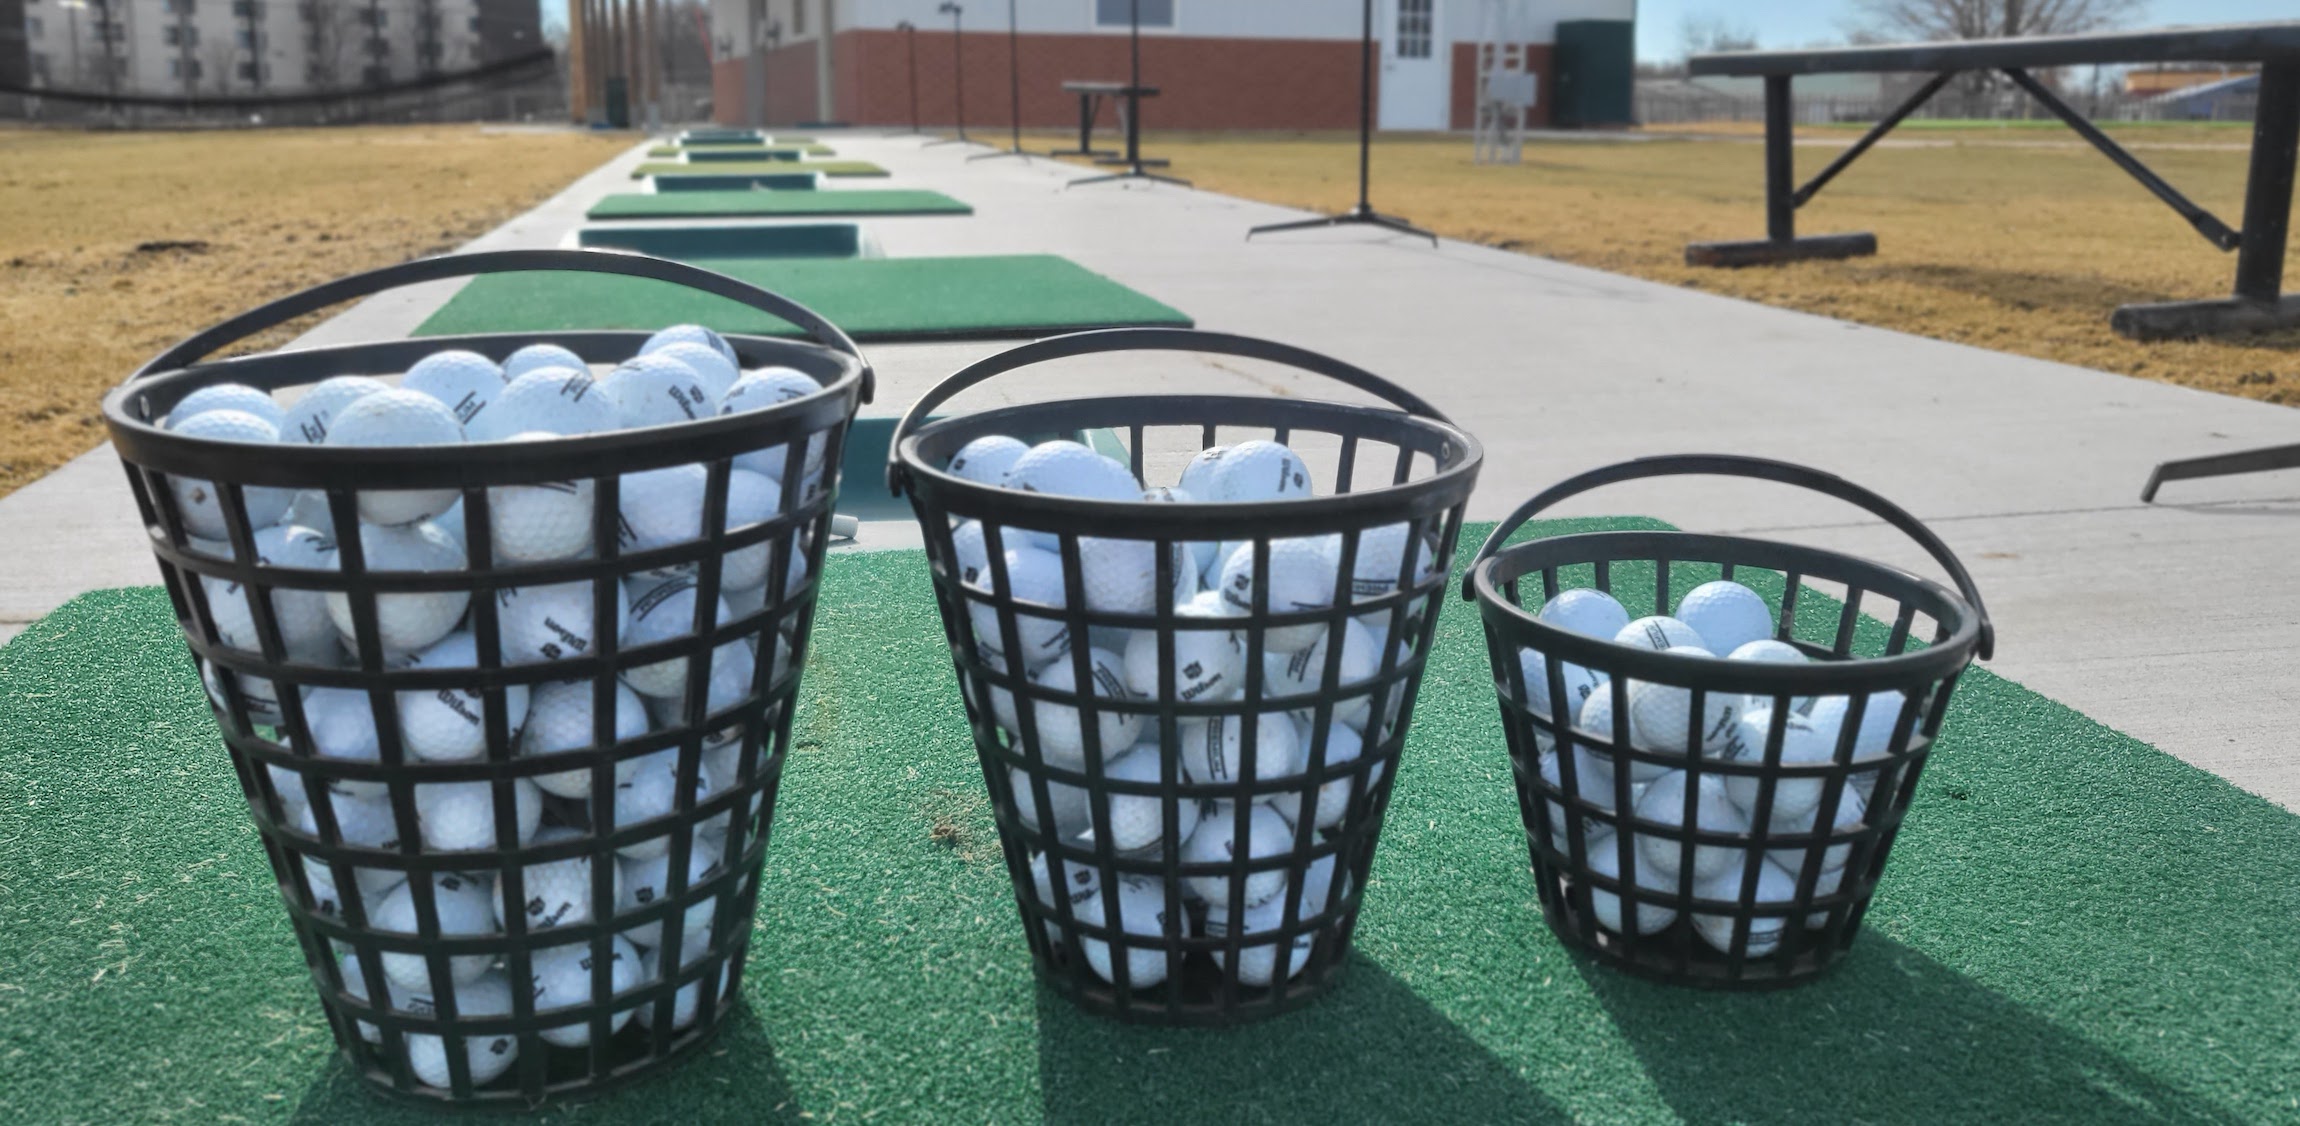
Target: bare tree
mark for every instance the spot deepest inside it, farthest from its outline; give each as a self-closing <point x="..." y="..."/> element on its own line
<point x="1995" y="19"/>
<point x="221" y="61"/>
<point x="330" y="28"/>
<point x="1704" y="33"/>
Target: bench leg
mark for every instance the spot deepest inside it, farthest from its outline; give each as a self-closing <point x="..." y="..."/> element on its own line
<point x="1780" y="243"/>
<point x="2259" y="303"/>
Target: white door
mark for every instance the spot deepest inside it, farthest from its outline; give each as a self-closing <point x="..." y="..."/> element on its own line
<point x="1414" y="65"/>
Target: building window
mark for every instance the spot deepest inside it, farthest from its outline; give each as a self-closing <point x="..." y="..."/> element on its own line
<point x="246" y="40"/>
<point x="1414" y="24"/>
<point x="475" y="23"/>
<point x="39" y="68"/>
<point x="377" y="75"/>
<point x="375" y="17"/>
<point x="1120" y="13"/>
<point x="247" y="9"/>
<point x="798" y="17"/>
<point x="183" y="7"/>
<point x="32" y="26"/>
<point x="177" y="68"/>
<point x="247" y="72"/>
<point x="183" y="35"/>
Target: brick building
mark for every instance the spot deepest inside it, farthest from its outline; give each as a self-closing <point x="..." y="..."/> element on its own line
<point x="1222" y="64"/>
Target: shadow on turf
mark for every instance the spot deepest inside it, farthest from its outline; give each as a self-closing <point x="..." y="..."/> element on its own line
<point x="1890" y="1035"/>
<point x="733" y="1078"/>
<point x="1370" y="1051"/>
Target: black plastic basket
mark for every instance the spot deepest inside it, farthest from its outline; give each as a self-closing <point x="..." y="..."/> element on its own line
<point x="1174" y="970"/>
<point x="333" y="872"/>
<point x="1893" y="632"/>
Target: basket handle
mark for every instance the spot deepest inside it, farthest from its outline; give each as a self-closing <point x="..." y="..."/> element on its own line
<point x="205" y="343"/>
<point x="1143" y="340"/>
<point x="1763" y="469"/>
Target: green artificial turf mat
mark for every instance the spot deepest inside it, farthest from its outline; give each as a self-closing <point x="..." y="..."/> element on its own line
<point x="2073" y="928"/>
<point x="870" y="298"/>
<point x="741" y="182"/>
<point x="760" y="240"/>
<point x="738" y="151"/>
<point x="826" y="167"/>
<point x="775" y="204"/>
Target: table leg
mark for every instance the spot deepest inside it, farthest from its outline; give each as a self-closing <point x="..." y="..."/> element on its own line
<point x="1780" y="243"/>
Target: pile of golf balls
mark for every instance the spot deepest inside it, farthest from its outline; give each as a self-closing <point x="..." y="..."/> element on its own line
<point x="1716" y="619"/>
<point x="538" y="393"/>
<point x="1229" y="813"/>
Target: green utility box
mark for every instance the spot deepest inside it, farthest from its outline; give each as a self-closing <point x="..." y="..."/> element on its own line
<point x="1596" y="73"/>
<point x="619" y="103"/>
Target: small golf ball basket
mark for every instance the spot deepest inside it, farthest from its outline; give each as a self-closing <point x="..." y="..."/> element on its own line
<point x="513" y="765"/>
<point x="1213" y="795"/>
<point x="1750" y="861"/>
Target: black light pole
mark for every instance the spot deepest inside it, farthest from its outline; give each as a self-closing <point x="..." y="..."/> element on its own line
<point x="910" y="43"/>
<point x="1364" y="212"/>
<point x="1133" y="95"/>
<point x="1014" y="87"/>
<point x="957" y="73"/>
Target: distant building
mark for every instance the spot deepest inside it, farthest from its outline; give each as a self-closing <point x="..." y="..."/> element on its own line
<point x="223" y="47"/>
<point x="2152" y="81"/>
<point x="1220" y="64"/>
<point x="2217" y="99"/>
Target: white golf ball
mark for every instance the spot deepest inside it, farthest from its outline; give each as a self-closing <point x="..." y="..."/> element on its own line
<point x="540" y="523"/>
<point x="1198" y="476"/>
<point x="1209" y="665"/>
<point x="556" y="893"/>
<point x="1258" y="471"/>
<point x="1774" y="652"/>
<point x="1713" y="812"/>
<point x="342" y="725"/>
<point x="1660" y="634"/>
<point x="464" y="382"/>
<point x="1142" y="919"/>
<point x="460" y="816"/>
<point x="1258" y="961"/>
<point x="1382" y="559"/>
<point x="1071" y="813"/>
<point x="1593" y="784"/>
<point x="405" y="621"/>
<point x="562" y="402"/>
<point x="717" y="372"/>
<point x="1033" y="578"/>
<point x="1727" y="615"/>
<point x="1579" y="682"/>
<point x="753" y="499"/>
<point x="660" y="508"/>
<point x="1774" y="888"/>
<point x="1138" y="821"/>
<point x="559" y="720"/>
<point x="985" y="460"/>
<point x="465" y="909"/>
<point x="1079" y="882"/>
<point x="690" y="334"/>
<point x="1851" y="809"/>
<point x="649" y="791"/>
<point x="488" y="1056"/>
<point x="1875" y="738"/>
<point x="1302" y="572"/>
<point x="1213" y="752"/>
<point x="1120" y="576"/>
<point x="1803" y="743"/>
<point x="1304" y="672"/>
<point x="1215" y="842"/>
<point x="662" y="611"/>
<point x="1061" y="728"/>
<point x="398" y="417"/>
<point x="652" y="390"/>
<point x="1586" y="611"/>
<point x="647" y="879"/>
<point x="768" y="387"/>
<point x="536" y="357"/>
<point x="687" y="1003"/>
<point x="200" y="502"/>
<point x="1343" y="746"/>
<point x="554" y="622"/>
<point x="300" y="614"/>
<point x="1604" y="855"/>
<point x="1065" y="468"/>
<point x="227" y="397"/>
<point x="1661" y="716"/>
<point x="562" y="979"/>
<point x="359" y="823"/>
<point x="309" y="417"/>
<point x="449" y="724"/>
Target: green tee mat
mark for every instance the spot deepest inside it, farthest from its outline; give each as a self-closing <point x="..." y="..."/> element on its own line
<point x="766" y="240"/>
<point x="873" y="299"/>
<point x="732" y="167"/>
<point x="742" y="182"/>
<point x="777" y="151"/>
<point x="2072" y="928"/>
<point x="726" y="204"/>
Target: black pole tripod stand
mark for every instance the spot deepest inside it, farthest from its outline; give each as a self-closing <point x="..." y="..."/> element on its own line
<point x="910" y="43"/>
<point x="957" y="73"/>
<point x="1014" y="89"/>
<point x="1133" y="95"/>
<point x="1364" y="212"/>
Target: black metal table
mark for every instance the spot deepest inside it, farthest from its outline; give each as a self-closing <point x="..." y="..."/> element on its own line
<point x="2258" y="303"/>
<point x="1130" y="105"/>
<point x="1090" y="95"/>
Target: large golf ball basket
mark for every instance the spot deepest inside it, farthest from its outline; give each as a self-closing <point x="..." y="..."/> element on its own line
<point x="1718" y="894"/>
<point x="345" y="835"/>
<point x="1046" y="747"/>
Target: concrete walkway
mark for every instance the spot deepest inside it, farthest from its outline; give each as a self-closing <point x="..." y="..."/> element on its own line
<point x="2178" y="623"/>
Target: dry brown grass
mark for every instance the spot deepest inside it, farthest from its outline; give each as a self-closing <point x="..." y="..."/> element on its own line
<point x="2018" y="240"/>
<point x="255" y="215"/>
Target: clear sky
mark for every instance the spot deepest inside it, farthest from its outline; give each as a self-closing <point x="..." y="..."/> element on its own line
<point x="1793" y="23"/>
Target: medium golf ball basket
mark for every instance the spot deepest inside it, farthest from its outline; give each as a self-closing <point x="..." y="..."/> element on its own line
<point x="1749" y="863"/>
<point x="384" y="855"/>
<point x="1105" y="793"/>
